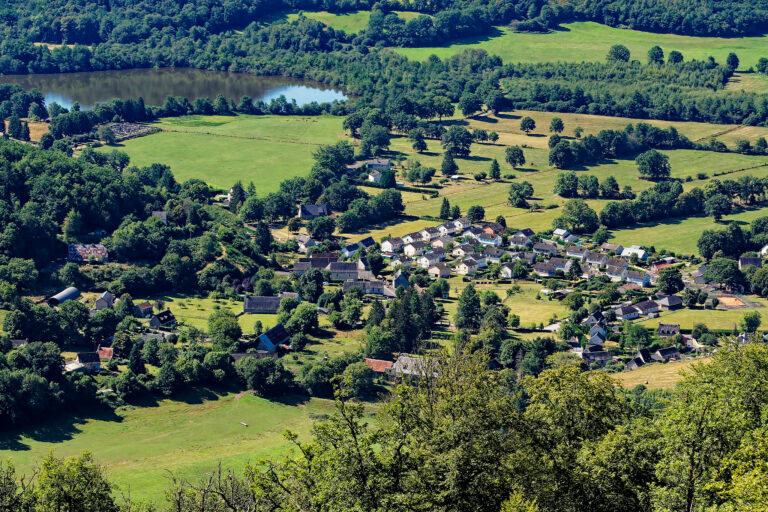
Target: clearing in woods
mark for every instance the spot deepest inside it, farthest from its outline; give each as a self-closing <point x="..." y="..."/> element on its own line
<point x="223" y="149"/>
<point x="589" y="41"/>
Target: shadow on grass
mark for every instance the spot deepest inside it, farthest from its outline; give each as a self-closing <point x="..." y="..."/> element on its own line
<point x="56" y="429"/>
<point x="507" y="115"/>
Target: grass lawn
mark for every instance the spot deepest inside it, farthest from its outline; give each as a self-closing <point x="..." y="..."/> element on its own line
<point x="223" y="149"/>
<point x="139" y="446"/>
<point x="194" y="311"/>
<point x="3" y="314"/>
<point x="589" y="41"/>
<point x="523" y="303"/>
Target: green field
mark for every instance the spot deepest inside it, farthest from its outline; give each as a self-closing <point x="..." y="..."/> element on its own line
<point x="139" y="446"/>
<point x="223" y="149"/>
<point x="195" y="311"/>
<point x="658" y="375"/>
<point x="589" y="41"/>
<point x="714" y="319"/>
<point x="350" y="22"/>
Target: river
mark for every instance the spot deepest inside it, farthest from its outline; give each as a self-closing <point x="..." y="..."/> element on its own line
<point x="89" y="88"/>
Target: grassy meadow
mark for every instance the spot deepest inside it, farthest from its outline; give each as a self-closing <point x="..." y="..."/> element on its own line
<point x="223" y="149"/>
<point x="140" y="446"/>
<point x="589" y="41"/>
<point x="350" y="22"/>
<point x="657" y="375"/>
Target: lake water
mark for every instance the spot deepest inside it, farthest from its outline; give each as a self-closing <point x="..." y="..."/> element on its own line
<point x="154" y="85"/>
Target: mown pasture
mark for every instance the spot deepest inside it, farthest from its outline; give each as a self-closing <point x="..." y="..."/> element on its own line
<point x="141" y="447"/>
<point x="589" y="41"/>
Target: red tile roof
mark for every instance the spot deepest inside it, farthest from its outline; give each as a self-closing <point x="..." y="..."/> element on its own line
<point x="378" y="365"/>
<point x="106" y="353"/>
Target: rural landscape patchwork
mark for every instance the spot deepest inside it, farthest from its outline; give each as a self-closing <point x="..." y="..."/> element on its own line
<point x="385" y="256"/>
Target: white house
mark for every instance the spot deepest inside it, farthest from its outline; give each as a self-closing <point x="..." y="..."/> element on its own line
<point x="627" y="313"/>
<point x="639" y="278"/>
<point x="428" y="234"/>
<point x="487" y="239"/>
<point x="467" y="267"/>
<point x="428" y="259"/>
<point x="446" y="229"/>
<point x="462" y="223"/>
<point x="636" y="250"/>
<point x="392" y="244"/>
<point x="576" y="252"/>
<point x="562" y="234"/>
<point x="415" y="249"/>
<point x="412" y="237"/>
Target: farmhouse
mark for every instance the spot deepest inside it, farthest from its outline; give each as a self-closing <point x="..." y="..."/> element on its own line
<point x="143" y="310"/>
<point x="260" y="305"/>
<point x="273" y="338"/>
<point x="341" y="270"/>
<point x="486" y="239"/>
<point x="627" y="313"/>
<point x="104" y="301"/>
<point x="378" y="365"/>
<point x="647" y="307"/>
<point x="90" y="361"/>
<point x="666" y="354"/>
<point x="305" y="242"/>
<point x="80" y="253"/>
<point x="462" y="223"/>
<point x="670" y="302"/>
<point x="162" y="319"/>
<point x="412" y="237"/>
<point x="616" y="273"/>
<point x="600" y="358"/>
<point x="375" y="177"/>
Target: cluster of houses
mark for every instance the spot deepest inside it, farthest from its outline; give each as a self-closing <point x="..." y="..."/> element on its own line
<point x="470" y="248"/>
<point x="595" y="352"/>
